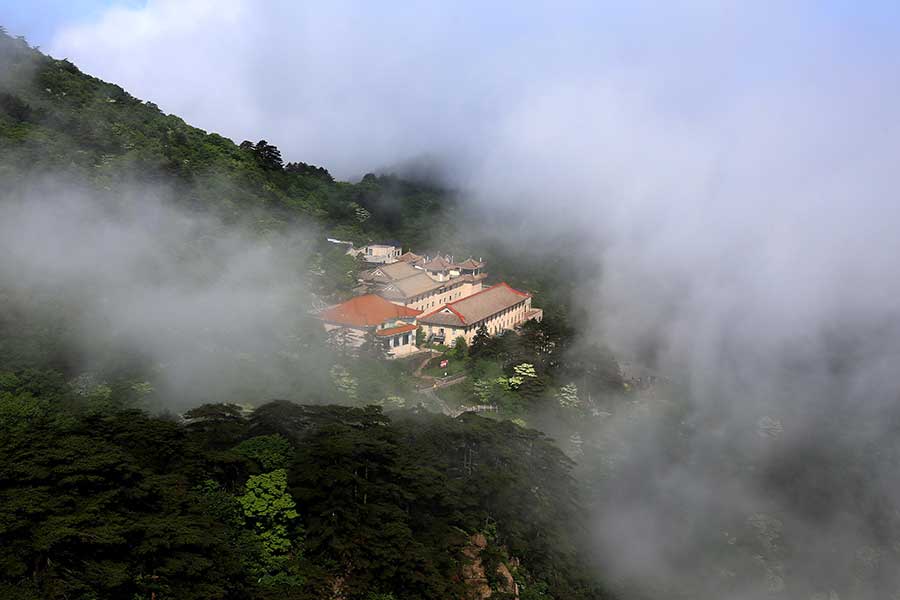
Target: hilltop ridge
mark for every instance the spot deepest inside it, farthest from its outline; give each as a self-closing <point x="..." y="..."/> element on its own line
<point x="55" y="118"/>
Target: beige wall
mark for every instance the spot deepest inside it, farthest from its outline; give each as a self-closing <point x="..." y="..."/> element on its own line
<point x="402" y="349"/>
<point x="437" y="298"/>
<point x="502" y="321"/>
<point x="443" y="275"/>
<point x="387" y="254"/>
<point x="356" y="336"/>
<point x="386" y="251"/>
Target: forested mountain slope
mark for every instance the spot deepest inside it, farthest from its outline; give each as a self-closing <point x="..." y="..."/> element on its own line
<point x="56" y="119"/>
<point x="289" y="501"/>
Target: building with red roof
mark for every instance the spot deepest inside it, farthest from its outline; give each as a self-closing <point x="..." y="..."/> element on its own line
<point x="499" y="308"/>
<point x="358" y="317"/>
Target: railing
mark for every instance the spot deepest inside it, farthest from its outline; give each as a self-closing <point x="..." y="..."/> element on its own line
<point x="478" y="408"/>
<point x="440" y="382"/>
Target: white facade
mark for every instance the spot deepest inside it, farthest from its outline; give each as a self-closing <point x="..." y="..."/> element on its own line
<point x="381" y="253"/>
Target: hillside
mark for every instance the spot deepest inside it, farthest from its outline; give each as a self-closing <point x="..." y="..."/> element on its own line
<point x="56" y="119"/>
<point x="291" y="501"/>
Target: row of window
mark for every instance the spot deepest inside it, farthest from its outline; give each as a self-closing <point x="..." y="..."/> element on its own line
<point x="400" y="340"/>
<point x="393" y="253"/>
<point x="504" y="323"/>
<point x="436" y="302"/>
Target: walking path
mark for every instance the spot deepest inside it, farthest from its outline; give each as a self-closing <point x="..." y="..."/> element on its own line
<point x="418" y="371"/>
<point x="430" y="384"/>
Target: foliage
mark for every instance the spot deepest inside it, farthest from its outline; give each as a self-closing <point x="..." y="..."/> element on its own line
<point x="125" y="505"/>
<point x="374" y="347"/>
<point x="267" y="155"/>
<point x="270" y="452"/>
<point x="433" y="367"/>
<point x="460" y="349"/>
<point x="567" y="396"/>
<point x="95" y="506"/>
<point x="54" y="118"/>
<point x="481" y="341"/>
<point x="345" y="382"/>
<point x="524" y="371"/>
<point x="483" y="390"/>
<point x="271" y="511"/>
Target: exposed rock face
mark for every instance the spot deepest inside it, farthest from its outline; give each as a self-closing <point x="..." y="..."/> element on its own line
<point x="337" y="589"/>
<point x="509" y="584"/>
<point x="475" y="577"/>
<point x="473" y="569"/>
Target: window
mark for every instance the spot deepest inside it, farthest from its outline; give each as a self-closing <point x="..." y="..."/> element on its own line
<point x="405" y="339"/>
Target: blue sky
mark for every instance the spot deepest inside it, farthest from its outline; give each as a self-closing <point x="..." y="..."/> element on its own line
<point x="874" y="22"/>
<point x="39" y="20"/>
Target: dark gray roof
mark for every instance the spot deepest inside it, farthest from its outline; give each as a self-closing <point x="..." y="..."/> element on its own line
<point x="390" y="272"/>
<point x="439" y="264"/>
<point x="471" y="263"/>
<point x="410" y="286"/>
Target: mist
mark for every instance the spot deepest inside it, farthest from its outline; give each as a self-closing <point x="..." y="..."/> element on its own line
<point x="731" y="171"/>
<point x="218" y="312"/>
<point x="749" y="255"/>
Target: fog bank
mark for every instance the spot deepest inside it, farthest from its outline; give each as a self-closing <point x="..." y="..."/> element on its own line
<point x="133" y="280"/>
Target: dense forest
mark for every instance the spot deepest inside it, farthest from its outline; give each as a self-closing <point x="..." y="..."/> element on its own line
<point x="285" y="501"/>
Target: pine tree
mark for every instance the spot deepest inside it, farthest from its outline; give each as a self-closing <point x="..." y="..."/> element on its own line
<point x="480" y="340"/>
<point x="460" y="348"/>
<point x="374" y="347"/>
<point x="268" y="156"/>
<point x="341" y="339"/>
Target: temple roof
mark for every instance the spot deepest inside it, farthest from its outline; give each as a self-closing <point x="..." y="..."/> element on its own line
<point x="439" y="264"/>
<point x="470" y="263"/>
<point x="409" y="257"/>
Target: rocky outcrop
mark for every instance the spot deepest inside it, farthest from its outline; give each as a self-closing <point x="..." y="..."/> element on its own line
<point x="473" y="572"/>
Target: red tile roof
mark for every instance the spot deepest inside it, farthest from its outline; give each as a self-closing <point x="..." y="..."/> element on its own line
<point x="396" y="330"/>
<point x="366" y="311"/>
